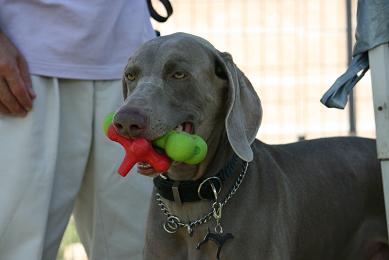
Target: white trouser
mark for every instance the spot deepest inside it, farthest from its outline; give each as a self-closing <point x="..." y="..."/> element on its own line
<point x="57" y="161"/>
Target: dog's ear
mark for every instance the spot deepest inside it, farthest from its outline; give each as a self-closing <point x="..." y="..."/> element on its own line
<point x="244" y="110"/>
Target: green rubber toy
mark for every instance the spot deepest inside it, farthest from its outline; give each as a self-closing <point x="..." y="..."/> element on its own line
<point x="178" y="146"/>
<point x="183" y="147"/>
<point x="107" y="121"/>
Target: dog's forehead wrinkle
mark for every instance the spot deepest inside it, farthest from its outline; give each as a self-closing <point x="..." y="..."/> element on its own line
<point x="151" y="79"/>
<point x="172" y="52"/>
<point x="147" y="56"/>
<point x="182" y="49"/>
<point x="195" y="64"/>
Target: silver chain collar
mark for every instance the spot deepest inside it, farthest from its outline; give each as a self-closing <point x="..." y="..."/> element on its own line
<point x="173" y="223"/>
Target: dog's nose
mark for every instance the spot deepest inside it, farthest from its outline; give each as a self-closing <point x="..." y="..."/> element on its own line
<point x="130" y="122"/>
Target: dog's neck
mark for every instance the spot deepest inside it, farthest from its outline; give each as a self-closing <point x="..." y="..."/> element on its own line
<point x="219" y="151"/>
<point x="222" y="165"/>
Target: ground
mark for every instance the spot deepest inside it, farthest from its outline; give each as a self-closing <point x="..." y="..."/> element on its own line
<point x="71" y="248"/>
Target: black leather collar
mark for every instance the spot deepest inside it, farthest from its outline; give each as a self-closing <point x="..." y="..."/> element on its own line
<point x="188" y="191"/>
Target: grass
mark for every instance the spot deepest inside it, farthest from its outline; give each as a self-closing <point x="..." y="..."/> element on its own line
<point x="69" y="237"/>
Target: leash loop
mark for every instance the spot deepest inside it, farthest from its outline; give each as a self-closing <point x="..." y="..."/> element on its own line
<point x="215" y="192"/>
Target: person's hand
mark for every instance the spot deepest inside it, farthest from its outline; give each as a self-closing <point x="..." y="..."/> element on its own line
<point x="16" y="93"/>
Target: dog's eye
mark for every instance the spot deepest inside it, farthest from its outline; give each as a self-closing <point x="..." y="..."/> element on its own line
<point x="179" y="75"/>
<point x="130" y="76"/>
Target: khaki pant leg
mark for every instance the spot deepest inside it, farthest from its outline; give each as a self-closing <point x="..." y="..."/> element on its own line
<point x="111" y="211"/>
<point x="28" y="154"/>
<point x="75" y="138"/>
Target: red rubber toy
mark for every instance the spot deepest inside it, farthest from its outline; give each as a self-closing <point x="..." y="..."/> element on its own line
<point x="137" y="150"/>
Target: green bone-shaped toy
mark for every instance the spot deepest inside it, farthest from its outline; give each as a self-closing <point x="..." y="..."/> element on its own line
<point x="183" y="147"/>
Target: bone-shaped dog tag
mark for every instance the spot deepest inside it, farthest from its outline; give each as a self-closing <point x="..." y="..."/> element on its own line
<point x="218" y="239"/>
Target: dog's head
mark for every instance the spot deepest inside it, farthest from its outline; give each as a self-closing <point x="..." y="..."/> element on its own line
<point x="181" y="81"/>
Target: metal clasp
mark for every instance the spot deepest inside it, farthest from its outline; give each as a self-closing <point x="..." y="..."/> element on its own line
<point x="217" y="215"/>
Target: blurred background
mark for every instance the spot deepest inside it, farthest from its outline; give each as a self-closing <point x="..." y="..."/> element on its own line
<point x="292" y="51"/>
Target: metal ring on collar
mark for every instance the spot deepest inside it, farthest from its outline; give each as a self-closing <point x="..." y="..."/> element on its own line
<point x="215" y="192"/>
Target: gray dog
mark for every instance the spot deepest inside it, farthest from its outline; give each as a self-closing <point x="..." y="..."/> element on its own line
<point x="311" y="200"/>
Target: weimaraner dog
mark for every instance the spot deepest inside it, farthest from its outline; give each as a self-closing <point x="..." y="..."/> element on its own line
<point x="312" y="200"/>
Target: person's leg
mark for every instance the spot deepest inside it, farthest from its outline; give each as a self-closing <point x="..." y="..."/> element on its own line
<point x="75" y="138"/>
<point x="111" y="211"/>
<point x="28" y="152"/>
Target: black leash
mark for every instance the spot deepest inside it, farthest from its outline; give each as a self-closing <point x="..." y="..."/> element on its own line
<point x="155" y="15"/>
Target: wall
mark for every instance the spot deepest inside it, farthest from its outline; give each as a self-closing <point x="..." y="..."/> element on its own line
<point x="291" y="50"/>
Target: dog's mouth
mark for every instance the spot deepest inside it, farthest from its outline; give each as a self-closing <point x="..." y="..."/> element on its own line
<point x="146" y="169"/>
<point x="185" y="127"/>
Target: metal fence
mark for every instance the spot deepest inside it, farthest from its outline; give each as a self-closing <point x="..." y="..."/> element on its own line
<point x="291" y="50"/>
